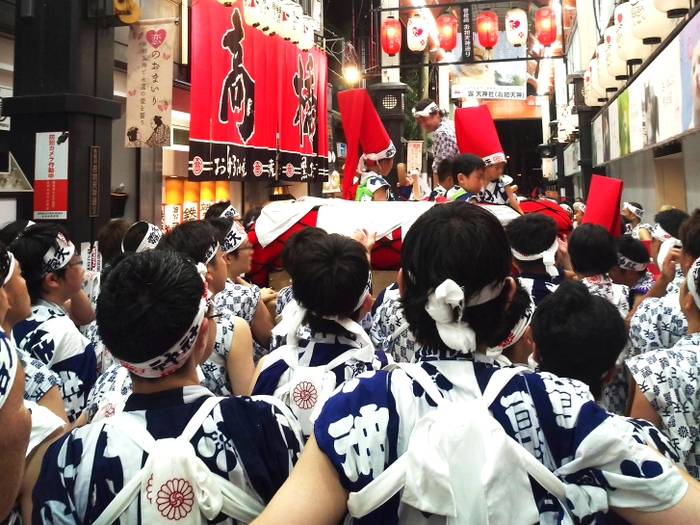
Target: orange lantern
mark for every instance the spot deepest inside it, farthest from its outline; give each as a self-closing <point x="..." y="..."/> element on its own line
<point x="190" y="207"/>
<point x="207" y="196"/>
<point x="487" y="29"/>
<point x="391" y="36"/>
<point x="447" y="31"/>
<point x="223" y="190"/>
<point x="546" y="26"/>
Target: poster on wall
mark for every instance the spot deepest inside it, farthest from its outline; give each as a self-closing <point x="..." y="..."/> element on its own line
<point x="241" y="81"/>
<point x="598" y="141"/>
<point x="623" y="123"/>
<point x="51" y="176"/>
<point x="668" y="80"/>
<point x="635" y="101"/>
<point x="689" y="50"/>
<point x="613" y="131"/>
<point x="149" y="81"/>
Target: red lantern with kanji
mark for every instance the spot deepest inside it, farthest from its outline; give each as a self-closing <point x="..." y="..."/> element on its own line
<point x="391" y="36"/>
<point x="447" y="31"/>
<point x="487" y="29"/>
<point x="546" y="26"/>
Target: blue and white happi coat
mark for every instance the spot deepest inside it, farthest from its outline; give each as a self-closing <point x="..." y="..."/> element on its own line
<point x="38" y="378"/>
<point x="642" y="225"/>
<point x="50" y="336"/>
<point x="215" y="369"/>
<point x="246" y="441"/>
<point x="388" y="319"/>
<point x="675" y="285"/>
<point x="670" y="380"/>
<point x="657" y="323"/>
<point x="285" y="295"/>
<point x="365" y="426"/>
<point x="242" y="301"/>
<point x="642" y="286"/>
<point x="493" y="193"/>
<point x="538" y="285"/>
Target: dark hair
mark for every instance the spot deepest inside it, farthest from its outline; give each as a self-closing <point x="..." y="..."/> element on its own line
<point x="29" y="248"/>
<point x="215" y="210"/>
<point x="297" y="244"/>
<point x="516" y="309"/>
<point x="444" y="169"/>
<point x="4" y="263"/>
<point x="132" y="133"/>
<point x="158" y="120"/>
<point x="578" y="335"/>
<point x="330" y="278"/>
<point x="624" y="221"/>
<point x="592" y="249"/>
<point x="671" y="220"/>
<point x="636" y="205"/>
<point x="192" y="238"/>
<point x="250" y="217"/>
<point x="632" y="248"/>
<point x="689" y="234"/>
<point x="532" y="233"/>
<point x="146" y="302"/>
<point x="134" y="235"/>
<point x="11" y="230"/>
<point x="434" y="250"/>
<point x="424" y="103"/>
<point x="466" y="163"/>
<point x="109" y="239"/>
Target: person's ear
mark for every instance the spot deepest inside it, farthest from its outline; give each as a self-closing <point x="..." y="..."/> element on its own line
<point x="401" y="283"/>
<point x="200" y="344"/>
<point x="227" y="258"/>
<point x="535" y="356"/>
<point x="510" y="283"/>
<point x="610" y="375"/>
<point x="367" y="305"/>
<point x="51" y="281"/>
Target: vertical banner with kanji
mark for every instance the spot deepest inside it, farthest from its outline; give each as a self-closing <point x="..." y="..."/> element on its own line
<point x="51" y="176"/>
<point x="149" y="83"/>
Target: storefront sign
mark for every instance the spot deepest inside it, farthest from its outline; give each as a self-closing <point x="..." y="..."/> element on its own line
<point x="253" y="94"/>
<point x="414" y="156"/>
<point x="94" y="181"/>
<point x="51" y="175"/>
<point x="572" y="155"/>
<point x="150" y="83"/>
<point x="467" y="37"/>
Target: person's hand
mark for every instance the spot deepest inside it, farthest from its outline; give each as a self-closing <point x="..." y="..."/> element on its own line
<point x="668" y="269"/>
<point x="267" y="295"/>
<point x="365" y="238"/>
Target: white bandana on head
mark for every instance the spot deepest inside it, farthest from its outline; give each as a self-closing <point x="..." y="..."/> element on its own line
<point x="628" y="264"/>
<point x="10" y="268"/>
<point x="692" y="281"/>
<point x="426" y="112"/>
<point x="229" y="213"/>
<point x="388" y="153"/>
<point x="515" y="334"/>
<point x="8" y="367"/>
<point x="58" y="255"/>
<point x="150" y="239"/>
<point x="659" y="233"/>
<point x="637" y="211"/>
<point x="457" y="335"/>
<point x="549" y="258"/>
<point x="172" y="359"/>
<point x="234" y="238"/>
<point x="211" y="252"/>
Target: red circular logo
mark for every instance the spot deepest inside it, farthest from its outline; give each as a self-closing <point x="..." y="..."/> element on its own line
<point x="197" y="166"/>
<point x="257" y="168"/>
<point x="289" y="170"/>
<point x="305" y="395"/>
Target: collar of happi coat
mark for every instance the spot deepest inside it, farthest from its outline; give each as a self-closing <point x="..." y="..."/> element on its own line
<point x="57" y="308"/>
<point x="167" y="398"/>
<point x="442" y="353"/>
<point x="688" y="340"/>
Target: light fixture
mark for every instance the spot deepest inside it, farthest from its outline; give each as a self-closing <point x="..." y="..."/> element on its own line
<point x="417" y="33"/>
<point x="351" y="74"/>
<point x="391" y="36"/>
<point x="615" y="65"/>
<point x="306" y="39"/>
<point x="648" y="23"/>
<point x="447" y="31"/>
<point x="630" y="49"/>
<point x="605" y="79"/>
<point x="546" y="26"/>
<point x="487" y="29"/>
<point x="253" y="12"/>
<point x="673" y="8"/>
<point x="516" y="27"/>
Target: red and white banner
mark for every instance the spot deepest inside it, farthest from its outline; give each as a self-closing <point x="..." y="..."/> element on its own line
<point x="51" y="176"/>
<point x="248" y="90"/>
<point x="149" y="83"/>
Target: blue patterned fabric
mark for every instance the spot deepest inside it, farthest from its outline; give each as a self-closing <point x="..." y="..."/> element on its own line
<point x="493" y="193"/>
<point x="366" y="424"/>
<point x="245" y="441"/>
<point x="675" y="285"/>
<point x="444" y="142"/>
<point x="38" y="378"/>
<point x="669" y="379"/>
<point x="50" y="336"/>
<point x="112" y="387"/>
<point x="214" y="369"/>
<point x="539" y="286"/>
<point x="285" y="295"/>
<point x="242" y="301"/>
<point x="387" y="320"/>
<point x="642" y="286"/>
<point x="657" y="323"/>
<point x="642" y="225"/>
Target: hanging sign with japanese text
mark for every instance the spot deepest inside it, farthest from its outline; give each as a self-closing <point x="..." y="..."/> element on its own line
<point x="149" y="83"/>
<point x="51" y="176"/>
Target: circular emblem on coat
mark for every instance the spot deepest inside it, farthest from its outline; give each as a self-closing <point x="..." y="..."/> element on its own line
<point x="175" y="499"/>
<point x="305" y="395"/>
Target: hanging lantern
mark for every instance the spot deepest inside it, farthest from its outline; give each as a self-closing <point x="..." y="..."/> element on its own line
<point x="516" y="27"/>
<point x="286" y="27"/>
<point x="273" y="17"/>
<point x="595" y="95"/>
<point x="391" y="36"/>
<point x="605" y="79"/>
<point x="673" y="8"/>
<point x="447" y="31"/>
<point x="487" y="29"/>
<point x="297" y="22"/>
<point x="629" y="48"/>
<point x="615" y="66"/>
<point x="546" y="26"/>
<point x="253" y="12"/>
<point x="417" y="33"/>
<point x="306" y="39"/>
<point x="648" y="23"/>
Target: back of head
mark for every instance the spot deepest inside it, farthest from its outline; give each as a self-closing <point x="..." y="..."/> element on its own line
<point x="222" y="225"/>
<point x="11" y="230"/>
<point x="632" y="248"/>
<point x="147" y="301"/>
<point x="331" y="275"/>
<point x="29" y="247"/>
<point x="194" y="239"/>
<point x="109" y="239"/>
<point x="434" y="251"/>
<point x="215" y="210"/>
<point x="297" y="244"/>
<point x="578" y="335"/>
<point x="444" y="169"/>
<point x="592" y="249"/>
<point x="671" y="220"/>
<point x="532" y="233"/>
<point x="465" y="163"/>
<point x="250" y="217"/>
<point x="689" y="234"/>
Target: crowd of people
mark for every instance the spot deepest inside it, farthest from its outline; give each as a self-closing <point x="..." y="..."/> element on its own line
<point x="510" y="375"/>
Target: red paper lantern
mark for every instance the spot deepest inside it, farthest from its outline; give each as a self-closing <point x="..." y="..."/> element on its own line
<point x="546" y="26"/>
<point x="487" y="29"/>
<point x="447" y="31"/>
<point x="391" y="36"/>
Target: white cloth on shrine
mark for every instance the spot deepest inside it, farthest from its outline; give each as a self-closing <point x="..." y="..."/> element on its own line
<point x="277" y="217"/>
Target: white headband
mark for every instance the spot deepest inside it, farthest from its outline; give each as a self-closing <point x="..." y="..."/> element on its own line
<point x="365" y="292"/>
<point x="628" y="264"/>
<point x="211" y="252"/>
<point x="175" y="357"/>
<point x="426" y="112"/>
<point x="567" y="208"/>
<point x="692" y="280"/>
<point x="515" y="334"/>
<point x="457" y="335"/>
<point x="659" y="233"/>
<point x="58" y="255"/>
<point x="667" y="245"/>
<point x="234" y="238"/>
<point x="150" y="239"/>
<point x="229" y="213"/>
<point x="10" y="269"/>
<point x="548" y="257"/>
<point x="637" y="211"/>
<point x="8" y="367"/>
<point x="387" y="153"/>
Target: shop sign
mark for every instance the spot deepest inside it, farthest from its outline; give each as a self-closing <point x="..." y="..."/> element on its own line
<point x="94" y="181"/>
<point x="467" y="36"/>
<point x="51" y="176"/>
<point x="572" y="155"/>
<point x="414" y="156"/>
